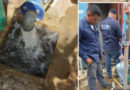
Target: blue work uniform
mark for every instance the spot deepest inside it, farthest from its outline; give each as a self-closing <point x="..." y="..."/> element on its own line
<point x="89" y="45"/>
<point x="111" y="32"/>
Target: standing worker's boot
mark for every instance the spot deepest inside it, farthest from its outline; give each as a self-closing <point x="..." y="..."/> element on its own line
<point x="107" y="84"/>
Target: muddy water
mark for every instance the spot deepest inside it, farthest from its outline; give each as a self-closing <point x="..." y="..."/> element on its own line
<point x="29" y="52"/>
<point x="29" y="38"/>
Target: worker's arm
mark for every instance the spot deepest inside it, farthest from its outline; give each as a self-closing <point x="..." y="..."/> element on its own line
<point x="118" y="32"/>
<point x="82" y="54"/>
<point x="122" y="56"/>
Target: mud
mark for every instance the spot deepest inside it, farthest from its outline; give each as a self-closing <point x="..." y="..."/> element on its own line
<point x="29" y="51"/>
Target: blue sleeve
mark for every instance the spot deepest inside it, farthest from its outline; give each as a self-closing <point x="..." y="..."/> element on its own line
<point x="82" y="54"/>
<point x="118" y="32"/>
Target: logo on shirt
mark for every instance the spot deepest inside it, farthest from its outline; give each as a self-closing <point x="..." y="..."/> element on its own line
<point x="106" y="27"/>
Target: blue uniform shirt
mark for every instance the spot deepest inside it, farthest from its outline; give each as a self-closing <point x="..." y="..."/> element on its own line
<point x="111" y="32"/>
<point x="89" y="45"/>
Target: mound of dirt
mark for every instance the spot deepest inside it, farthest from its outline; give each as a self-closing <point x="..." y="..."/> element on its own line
<point x="62" y="73"/>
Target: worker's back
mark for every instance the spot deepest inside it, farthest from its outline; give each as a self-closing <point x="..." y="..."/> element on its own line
<point x="111" y="32"/>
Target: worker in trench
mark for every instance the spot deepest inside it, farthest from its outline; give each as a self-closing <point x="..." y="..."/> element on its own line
<point x="112" y="36"/>
<point x="120" y="66"/>
<point x="90" y="48"/>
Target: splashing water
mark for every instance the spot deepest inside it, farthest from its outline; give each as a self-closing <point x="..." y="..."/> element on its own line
<point x="29" y="51"/>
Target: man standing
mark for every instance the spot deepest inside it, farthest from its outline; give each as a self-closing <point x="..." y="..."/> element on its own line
<point x="90" y="49"/>
<point x="112" y="35"/>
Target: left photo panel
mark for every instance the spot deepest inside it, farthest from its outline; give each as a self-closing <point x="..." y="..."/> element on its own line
<point x="38" y="44"/>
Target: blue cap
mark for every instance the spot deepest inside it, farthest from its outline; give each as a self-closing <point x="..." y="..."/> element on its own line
<point x="113" y="10"/>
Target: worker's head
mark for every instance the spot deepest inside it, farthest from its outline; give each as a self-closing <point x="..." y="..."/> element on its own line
<point x="92" y="14"/>
<point x="112" y="13"/>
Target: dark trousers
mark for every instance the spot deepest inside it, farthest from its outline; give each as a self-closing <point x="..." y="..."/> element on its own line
<point x="108" y="56"/>
<point x="94" y="72"/>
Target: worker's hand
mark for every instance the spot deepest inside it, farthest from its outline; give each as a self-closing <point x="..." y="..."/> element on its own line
<point x="103" y="53"/>
<point x="121" y="57"/>
<point x="89" y="61"/>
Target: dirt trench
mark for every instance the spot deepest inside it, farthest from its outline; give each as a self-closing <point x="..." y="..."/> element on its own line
<point x="62" y="73"/>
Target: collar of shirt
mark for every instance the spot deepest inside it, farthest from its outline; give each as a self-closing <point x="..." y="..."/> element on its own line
<point x="86" y="24"/>
<point x="109" y="17"/>
<point x="92" y="27"/>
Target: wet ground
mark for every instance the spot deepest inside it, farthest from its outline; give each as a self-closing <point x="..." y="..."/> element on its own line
<point x="29" y="51"/>
<point x="83" y="85"/>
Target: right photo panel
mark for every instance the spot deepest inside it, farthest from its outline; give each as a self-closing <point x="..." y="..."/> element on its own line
<point x="104" y="0"/>
<point x="103" y="42"/>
